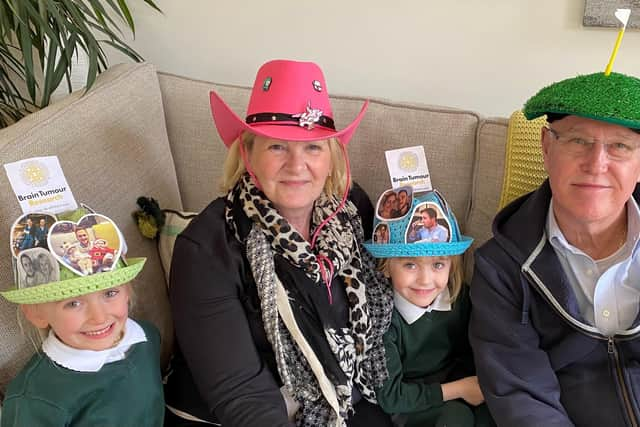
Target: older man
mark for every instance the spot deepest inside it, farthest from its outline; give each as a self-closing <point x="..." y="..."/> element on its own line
<point x="555" y="294"/>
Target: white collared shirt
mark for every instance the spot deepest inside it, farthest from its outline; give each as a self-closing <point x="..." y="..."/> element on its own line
<point x="411" y="312"/>
<point x="90" y="360"/>
<point x="607" y="290"/>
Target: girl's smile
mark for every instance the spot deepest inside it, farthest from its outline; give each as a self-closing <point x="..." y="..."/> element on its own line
<point x="94" y="321"/>
<point x="419" y="280"/>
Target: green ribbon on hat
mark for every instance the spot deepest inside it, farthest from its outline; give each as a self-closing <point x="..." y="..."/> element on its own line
<point x="613" y="99"/>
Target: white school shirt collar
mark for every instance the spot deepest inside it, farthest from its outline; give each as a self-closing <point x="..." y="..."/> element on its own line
<point x="90" y="360"/>
<point x="411" y="312"/>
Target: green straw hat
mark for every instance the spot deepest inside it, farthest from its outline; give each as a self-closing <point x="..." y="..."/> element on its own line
<point x="69" y="283"/>
<point x="613" y="99"/>
<point x="73" y="285"/>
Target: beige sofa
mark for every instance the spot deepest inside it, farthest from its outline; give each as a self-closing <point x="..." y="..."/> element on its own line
<point x="139" y="132"/>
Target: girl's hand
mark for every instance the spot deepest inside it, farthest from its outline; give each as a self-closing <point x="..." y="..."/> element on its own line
<point x="467" y="389"/>
<point x="471" y="391"/>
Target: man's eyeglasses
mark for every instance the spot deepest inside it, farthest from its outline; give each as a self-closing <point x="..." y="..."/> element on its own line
<point x="579" y="146"/>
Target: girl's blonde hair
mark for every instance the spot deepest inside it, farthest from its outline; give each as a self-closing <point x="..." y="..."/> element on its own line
<point x="455" y="282"/>
<point x="234" y="167"/>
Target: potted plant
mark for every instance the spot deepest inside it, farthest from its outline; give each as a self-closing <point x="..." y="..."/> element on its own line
<point x="39" y="40"/>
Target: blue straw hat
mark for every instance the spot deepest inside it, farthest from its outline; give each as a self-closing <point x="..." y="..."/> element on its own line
<point x="428" y="228"/>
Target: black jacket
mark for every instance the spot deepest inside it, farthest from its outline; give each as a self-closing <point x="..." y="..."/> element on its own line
<point x="225" y="369"/>
<point x="538" y="362"/>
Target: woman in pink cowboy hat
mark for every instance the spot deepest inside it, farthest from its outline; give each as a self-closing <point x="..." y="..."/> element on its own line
<point x="278" y="309"/>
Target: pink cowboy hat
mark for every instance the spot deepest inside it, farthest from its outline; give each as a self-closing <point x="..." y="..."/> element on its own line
<point x="289" y="101"/>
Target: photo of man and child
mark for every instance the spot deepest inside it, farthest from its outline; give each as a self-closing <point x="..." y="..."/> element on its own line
<point x="90" y="246"/>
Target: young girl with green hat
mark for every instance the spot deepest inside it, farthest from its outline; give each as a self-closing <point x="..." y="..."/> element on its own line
<point x="432" y="378"/>
<point x="96" y="366"/>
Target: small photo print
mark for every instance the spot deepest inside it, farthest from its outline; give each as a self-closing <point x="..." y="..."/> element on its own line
<point x="92" y="245"/>
<point x="30" y="231"/>
<point x="381" y="234"/>
<point x="428" y="224"/>
<point x="36" y="266"/>
<point x="394" y="203"/>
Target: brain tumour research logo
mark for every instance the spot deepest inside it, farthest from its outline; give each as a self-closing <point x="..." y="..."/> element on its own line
<point x="408" y="162"/>
<point x="34" y="173"/>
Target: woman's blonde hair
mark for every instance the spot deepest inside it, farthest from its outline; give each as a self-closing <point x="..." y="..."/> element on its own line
<point x="455" y="282"/>
<point x="234" y="167"/>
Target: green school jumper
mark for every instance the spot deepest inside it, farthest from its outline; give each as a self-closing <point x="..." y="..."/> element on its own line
<point x="422" y="355"/>
<point x="125" y="393"/>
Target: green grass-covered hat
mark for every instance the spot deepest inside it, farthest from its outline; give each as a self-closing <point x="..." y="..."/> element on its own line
<point x="60" y="268"/>
<point x="613" y="99"/>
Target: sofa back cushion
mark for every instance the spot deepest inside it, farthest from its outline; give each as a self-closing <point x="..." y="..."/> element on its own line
<point x="448" y="137"/>
<point x="487" y="182"/>
<point x="488" y="178"/>
<point x="113" y="147"/>
<point x="197" y="150"/>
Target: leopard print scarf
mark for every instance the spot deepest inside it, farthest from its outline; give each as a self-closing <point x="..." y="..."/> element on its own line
<point x="358" y="348"/>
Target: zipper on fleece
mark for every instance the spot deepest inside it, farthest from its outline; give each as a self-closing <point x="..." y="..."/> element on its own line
<point x="613" y="354"/>
<point x="611" y="346"/>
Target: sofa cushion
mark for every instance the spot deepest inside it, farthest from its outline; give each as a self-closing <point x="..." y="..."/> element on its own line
<point x="448" y="136"/>
<point x="197" y="150"/>
<point x="487" y="183"/>
<point x="174" y="223"/>
<point x="488" y="178"/>
<point x="113" y="147"/>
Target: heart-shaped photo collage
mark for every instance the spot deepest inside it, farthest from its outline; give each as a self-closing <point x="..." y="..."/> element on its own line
<point x="40" y="244"/>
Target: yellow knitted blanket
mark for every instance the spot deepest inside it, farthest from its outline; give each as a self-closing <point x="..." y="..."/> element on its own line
<point x="524" y="169"/>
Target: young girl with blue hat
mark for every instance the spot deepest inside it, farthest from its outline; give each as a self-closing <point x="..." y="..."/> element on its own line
<point x="96" y="366"/>
<point x="432" y="378"/>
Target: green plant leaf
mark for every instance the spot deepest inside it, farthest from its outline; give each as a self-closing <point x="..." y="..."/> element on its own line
<point x="93" y="65"/>
<point x="153" y="5"/>
<point x="127" y="15"/>
<point x="26" y="47"/>
<point x="112" y="4"/>
<point x="124" y="49"/>
<point x="40" y="38"/>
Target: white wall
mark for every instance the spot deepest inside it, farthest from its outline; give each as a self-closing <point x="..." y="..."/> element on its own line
<point x="488" y="56"/>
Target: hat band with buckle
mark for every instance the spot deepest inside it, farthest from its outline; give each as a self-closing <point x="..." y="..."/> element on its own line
<point x="290" y="120"/>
